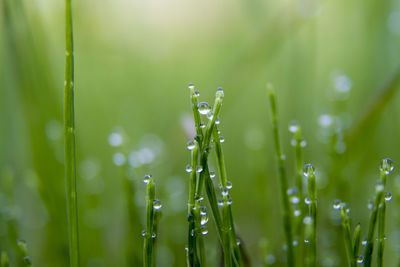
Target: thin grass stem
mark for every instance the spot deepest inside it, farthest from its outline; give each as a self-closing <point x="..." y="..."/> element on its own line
<point x="348" y="243"/>
<point x="4" y="262"/>
<point x="23" y="250"/>
<point x="287" y="218"/>
<point x="381" y="233"/>
<point x="356" y="242"/>
<point x="149" y="234"/>
<point x="309" y="172"/>
<point x="69" y="141"/>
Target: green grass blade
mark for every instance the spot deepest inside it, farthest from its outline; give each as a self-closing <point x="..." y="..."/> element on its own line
<point x="309" y="172"/>
<point x="299" y="225"/>
<point x="356" y="242"/>
<point x="148" y="247"/>
<point x="69" y="141"/>
<point x="287" y="218"/>
<point x="348" y="243"/>
<point x="381" y="233"/>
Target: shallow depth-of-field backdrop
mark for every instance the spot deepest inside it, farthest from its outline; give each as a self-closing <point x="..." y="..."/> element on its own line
<point x="334" y="64"/>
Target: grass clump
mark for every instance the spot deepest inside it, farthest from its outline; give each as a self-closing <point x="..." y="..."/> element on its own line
<point x="208" y="137"/>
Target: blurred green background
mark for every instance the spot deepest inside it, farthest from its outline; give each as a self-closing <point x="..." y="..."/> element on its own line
<point x="334" y="65"/>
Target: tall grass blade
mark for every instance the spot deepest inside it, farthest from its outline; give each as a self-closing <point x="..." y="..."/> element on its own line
<point x="69" y="140"/>
<point x="23" y="250"/>
<point x="287" y="218"/>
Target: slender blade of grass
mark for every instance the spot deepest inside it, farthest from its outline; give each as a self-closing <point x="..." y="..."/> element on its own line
<point x="287" y="218"/>
<point x="69" y="140"/>
<point x="148" y="239"/>
<point x="381" y="233"/>
<point x="356" y="241"/>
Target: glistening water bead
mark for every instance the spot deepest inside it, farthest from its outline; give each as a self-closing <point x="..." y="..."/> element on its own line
<point x="191" y="86"/>
<point x="337" y="203"/>
<point x="204" y="108"/>
<point x="147" y="178"/>
<point x="294" y="127"/>
<point x="212" y="174"/>
<point x="388" y="196"/>
<point x="308" y="170"/>
<point x="188" y="168"/>
<point x="191" y="145"/>
<point x="157" y="204"/>
<point x="387" y="166"/>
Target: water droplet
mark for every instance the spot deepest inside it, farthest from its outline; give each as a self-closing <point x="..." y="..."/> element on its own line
<point x="191" y="86"/>
<point x="119" y="159"/>
<point x="295" y="243"/>
<point x="308" y="170"/>
<point x="307" y="200"/>
<point x="294" y="127"/>
<point x="199" y="198"/>
<point x="303" y="143"/>
<point x="196" y="93"/>
<point x="306" y="241"/>
<point x="307" y="220"/>
<point x="221" y="139"/>
<point x="283" y="157"/>
<point x="191" y="145"/>
<point x="220" y="93"/>
<point x="294" y="200"/>
<point x="147" y="178"/>
<point x="228" y="185"/>
<point x="225" y="192"/>
<point x="212" y="174"/>
<point x="217" y="121"/>
<point x="325" y="120"/>
<point x="337" y="204"/>
<point x="371" y="204"/>
<point x="293" y="142"/>
<point x="202" y="125"/>
<point x="388" y="196"/>
<point x="199" y="168"/>
<point x="238" y="242"/>
<point x="153" y="235"/>
<point x="360" y="260"/>
<point x="204" y="108"/>
<point x="292" y="191"/>
<point x="270" y="259"/>
<point x="387" y="166"/>
<point x="188" y="168"/>
<point x="157" y="204"/>
<point x="115" y="139"/>
<point x="297" y="213"/>
<point x="210" y="115"/>
<point x="204" y="230"/>
<point x="364" y="242"/>
<point x="203" y="210"/>
<point x="221" y="202"/>
<point x="203" y="220"/>
<point x="229" y="201"/>
<point x="144" y="233"/>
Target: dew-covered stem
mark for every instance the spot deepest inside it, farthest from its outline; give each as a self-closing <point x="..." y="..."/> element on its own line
<point x="227" y="208"/>
<point x="356" y="241"/>
<point x="69" y="141"/>
<point x="299" y="143"/>
<point x="287" y="223"/>
<point x="348" y="243"/>
<point x="309" y="172"/>
<point x="149" y="234"/>
<point x="23" y="251"/>
<point x="386" y="168"/>
<point x="381" y="232"/>
<point x="192" y="259"/>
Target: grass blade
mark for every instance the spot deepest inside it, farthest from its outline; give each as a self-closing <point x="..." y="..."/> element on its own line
<point x="4" y="260"/>
<point x="348" y="243"/>
<point x="309" y="172"/>
<point x="356" y="242"/>
<point x="69" y="141"/>
<point x="287" y="220"/>
<point x="381" y="233"/>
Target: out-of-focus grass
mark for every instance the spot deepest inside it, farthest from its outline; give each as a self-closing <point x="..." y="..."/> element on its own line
<point x="133" y="61"/>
